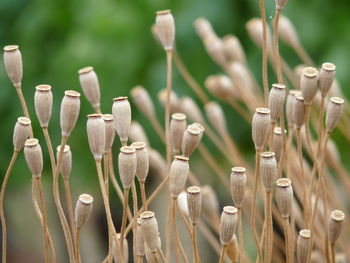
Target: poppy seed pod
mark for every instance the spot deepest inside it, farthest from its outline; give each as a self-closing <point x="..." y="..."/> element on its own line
<point x="34" y="156"/>
<point x="280" y="4"/>
<point x="255" y="31"/>
<point x="66" y="162"/>
<point x="43" y="104"/>
<point x="177" y="129"/>
<point x="228" y="221"/>
<point x="277" y="142"/>
<point x="21" y="133"/>
<point x="238" y="182"/>
<point x="334" y="113"/>
<point x="326" y="78"/>
<point x="268" y="170"/>
<point x="182" y="203"/>
<point x="137" y="133"/>
<point x="13" y="64"/>
<point x="309" y="84"/>
<point x="233" y="49"/>
<point x="277" y="97"/>
<point x="178" y="175"/>
<point x="175" y="104"/>
<point x="96" y="135"/>
<point x="260" y="127"/>
<point x="142" y="160"/>
<point x="210" y="200"/>
<point x="122" y="118"/>
<point x="194" y="203"/>
<point x="298" y="112"/>
<point x="191" y="139"/>
<point x="70" y="108"/>
<point x="303" y="245"/>
<point x="191" y="109"/>
<point x="290" y="106"/>
<point x="109" y="131"/>
<point x="150" y="232"/>
<point x="221" y="87"/>
<point x="166" y="29"/>
<point x="203" y="28"/>
<point x="287" y="32"/>
<point x="284" y="196"/>
<point x="216" y="116"/>
<point x="140" y="239"/>
<point x="143" y="101"/>
<point x="127" y="163"/>
<point x="215" y="48"/>
<point x="335" y="225"/>
<point x="83" y="210"/>
<point x="90" y="86"/>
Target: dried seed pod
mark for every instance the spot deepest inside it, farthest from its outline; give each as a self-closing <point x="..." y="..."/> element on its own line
<point x="255" y="31"/>
<point x="90" y="86"/>
<point x="34" y="156"/>
<point x="116" y="254"/>
<point x="287" y="32"/>
<point x="178" y="175"/>
<point x="334" y="113"/>
<point x="13" y="64"/>
<point x="70" y="108"/>
<point x="277" y="97"/>
<point x="127" y="163"/>
<point x="177" y="129"/>
<point x="335" y="225"/>
<point x="137" y="133"/>
<point x="175" y="104"/>
<point x="43" y="104"/>
<point x="228" y="223"/>
<point x="140" y="242"/>
<point x="277" y="142"/>
<point x="191" y="109"/>
<point x="203" y="28"/>
<point x="83" y="210"/>
<point x="260" y="127"/>
<point x="326" y="77"/>
<point x="122" y="118"/>
<point x="142" y="158"/>
<point x="216" y="116"/>
<point x="191" y="139"/>
<point x="143" y="101"/>
<point x="210" y="201"/>
<point x="309" y="84"/>
<point x="303" y="245"/>
<point x="268" y="170"/>
<point x="238" y="182"/>
<point x="280" y="4"/>
<point x="290" y="106"/>
<point x="109" y="131"/>
<point x="233" y="49"/>
<point x="284" y="196"/>
<point x="149" y="226"/>
<point x="298" y="112"/>
<point x="182" y="203"/>
<point x="242" y="77"/>
<point x="166" y="29"/>
<point x="221" y="87"/>
<point x="215" y="49"/>
<point x="21" y="133"/>
<point x="66" y="162"/>
<point x="194" y="203"/>
<point x="96" y="132"/>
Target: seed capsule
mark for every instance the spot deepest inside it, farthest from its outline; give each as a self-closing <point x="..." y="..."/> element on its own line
<point x="96" y="135"/>
<point x="255" y="32"/>
<point x="166" y="29"/>
<point x="175" y="105"/>
<point x="215" y="49"/>
<point x="260" y="127"/>
<point x="277" y="142"/>
<point x="122" y="118"/>
<point x="66" y="162"/>
<point x="221" y="87"/>
<point x="334" y="113"/>
<point x="203" y="28"/>
<point x="216" y="116"/>
<point x="290" y="106"/>
<point x="268" y="170"/>
<point x="182" y="203"/>
<point x="284" y="196"/>
<point x="277" y="97"/>
<point x="43" y="104"/>
<point x="83" y="210"/>
<point x="194" y="203"/>
<point x="327" y="76"/>
<point x="303" y="245"/>
<point x="238" y="182"/>
<point x="70" y="108"/>
<point x="127" y="163"/>
<point x="34" y="156"/>
<point x="149" y="227"/>
<point x="143" y="101"/>
<point x="233" y="49"/>
<point x="228" y="223"/>
<point x="178" y="175"/>
<point x="335" y="225"/>
<point x="90" y="86"/>
<point x="191" y="139"/>
<point x="177" y="129"/>
<point x="309" y="84"/>
<point x="298" y="112"/>
<point x="142" y="158"/>
<point x="109" y="131"/>
<point x="21" y="133"/>
<point x="13" y="64"/>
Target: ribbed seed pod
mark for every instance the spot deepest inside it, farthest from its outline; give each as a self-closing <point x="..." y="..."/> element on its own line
<point x="215" y="49"/>
<point x="116" y="254"/>
<point x="228" y="223"/>
<point x="127" y="163"/>
<point x="290" y="106"/>
<point x="309" y="84"/>
<point x="143" y="101"/>
<point x="34" y="156"/>
<point x="83" y="210"/>
<point x="137" y="133"/>
<point x="178" y="175"/>
<point x="166" y="29"/>
<point x="13" y="64"/>
<point x="255" y="31"/>
<point x="203" y="28"/>
<point x="268" y="170"/>
<point x="233" y="49"/>
<point x="182" y="203"/>
<point x="149" y="226"/>
<point x="140" y="239"/>
<point x="210" y="201"/>
<point x="238" y="182"/>
<point x="326" y="77"/>
<point x="303" y="245"/>
<point x="287" y="32"/>
<point x="109" y="131"/>
<point x="191" y="139"/>
<point x="66" y="163"/>
<point x="277" y="97"/>
<point x="191" y="109"/>
<point x="298" y="112"/>
<point x="90" y="86"/>
<point x="260" y="127"/>
<point x="284" y="196"/>
<point x="334" y="113"/>
<point x="96" y="135"/>
<point x="194" y="203"/>
<point x="216" y="116"/>
<point x="142" y="159"/>
<point x="175" y="104"/>
<point x="277" y="142"/>
<point x="43" y="104"/>
<point x="122" y="118"/>
<point x="280" y="4"/>
<point x="157" y="163"/>
<point x="70" y="108"/>
<point x="177" y="128"/>
<point x="335" y="225"/>
<point x="221" y="87"/>
<point x="21" y="133"/>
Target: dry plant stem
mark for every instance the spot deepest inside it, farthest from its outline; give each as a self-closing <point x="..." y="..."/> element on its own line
<point x="240" y="235"/>
<point x="155" y="257"/>
<point x="160" y="253"/>
<point x="265" y="53"/>
<point x="303" y="55"/>
<point x="269" y="232"/>
<point x="276" y="47"/>
<point x="2" y="197"/>
<point x="287" y="239"/>
<point x="333" y="253"/>
<point x="195" y="244"/>
<point x="77" y="245"/>
<point x="222" y="254"/>
<point x="97" y="109"/>
<point x="125" y="207"/>
<point x="143" y="196"/>
<point x="167" y="106"/>
<point x="106" y="171"/>
<point x="168" y="231"/>
<point x="49" y="148"/>
<point x="69" y="205"/>
<point x="24" y="105"/>
<point x="139" y="259"/>
<point x="136" y="215"/>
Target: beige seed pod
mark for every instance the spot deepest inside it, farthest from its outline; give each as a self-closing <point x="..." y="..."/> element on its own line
<point x="298" y="112"/>
<point x="210" y="200"/>
<point x="143" y="101"/>
<point x="137" y="133"/>
<point x="96" y="132"/>
<point x="34" y="156"/>
<point x="238" y="183"/>
<point x="277" y="97"/>
<point x="66" y="162"/>
<point x="43" y="104"/>
<point x="83" y="210"/>
<point x="287" y="32"/>
<point x="326" y="78"/>
<point x="255" y="31"/>
<point x="194" y="203"/>
<point x="140" y="242"/>
<point x="166" y="29"/>
<point x="232" y="249"/>
<point x="149" y="226"/>
<point x="280" y="4"/>
<point x="242" y="77"/>
<point x="233" y="49"/>
<point x="178" y="175"/>
<point x="142" y="158"/>
<point x="116" y="254"/>
<point x="303" y="245"/>
<point x="228" y="222"/>
<point x="109" y="131"/>
<point x="177" y="128"/>
<point x="70" y="108"/>
<point x="203" y="28"/>
<point x="335" y="225"/>
<point x="277" y="142"/>
<point x="334" y="113"/>
<point x="290" y="106"/>
<point x="216" y="116"/>
<point x="191" y="139"/>
<point x="21" y="133"/>
<point x="157" y="163"/>
<point x="175" y="104"/>
<point x="122" y="118"/>
<point x="260" y="127"/>
<point x="182" y="203"/>
<point x="309" y="84"/>
<point x="90" y="86"/>
<point x="127" y="163"/>
<point x="191" y="109"/>
<point x="215" y="49"/>
<point x="221" y="87"/>
<point x="268" y="170"/>
<point x="13" y="64"/>
<point x="284" y="196"/>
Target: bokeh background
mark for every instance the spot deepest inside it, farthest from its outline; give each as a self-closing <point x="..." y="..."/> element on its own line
<point x="59" y="37"/>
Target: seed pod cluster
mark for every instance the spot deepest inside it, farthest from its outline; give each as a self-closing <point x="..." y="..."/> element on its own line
<point x="238" y="182"/>
<point x="43" y="104"/>
<point x="21" y="133"/>
<point x="34" y="156"/>
<point x="83" y="210"/>
<point x="90" y="86"/>
<point x="66" y="162"/>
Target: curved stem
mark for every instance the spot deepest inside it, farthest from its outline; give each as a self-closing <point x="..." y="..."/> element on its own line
<point x="276" y="47"/>
<point x="24" y="105"/>
<point x="160" y="253"/>
<point x="143" y="196"/>
<point x="222" y="254"/>
<point x="178" y="245"/>
<point x="333" y="253"/>
<point x="122" y="228"/>
<point x="105" y="171"/>
<point x="303" y="55"/>
<point x="49" y="148"/>
<point x="265" y="52"/>
<point x="69" y="205"/>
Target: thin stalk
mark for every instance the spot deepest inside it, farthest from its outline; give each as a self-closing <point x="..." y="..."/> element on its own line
<point x="160" y="253"/>
<point x="49" y="147"/>
<point x="236" y="106"/>
<point x="276" y="47"/>
<point x="168" y="220"/>
<point x="303" y="55"/>
<point x="136" y="215"/>
<point x="155" y="257"/>
<point x="167" y="106"/>
<point x="195" y="244"/>
<point x="77" y="245"/>
<point x="122" y="229"/>
<point x="240" y="236"/>
<point x="333" y="253"/>
<point x="24" y="105"/>
<point x="265" y="53"/>
<point x="269" y="232"/>
<point x="139" y="259"/>
<point x="143" y="196"/>
<point x="106" y="171"/>
<point x="222" y="254"/>
<point x="287" y="239"/>
<point x="69" y="205"/>
<point x="97" y="109"/>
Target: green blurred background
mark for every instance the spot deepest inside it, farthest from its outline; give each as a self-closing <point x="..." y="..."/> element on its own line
<point x="57" y="38"/>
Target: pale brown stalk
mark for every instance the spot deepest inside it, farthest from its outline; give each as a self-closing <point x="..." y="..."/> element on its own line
<point x="169" y="54"/>
<point x="177" y="241"/>
<point x="265" y="53"/>
<point x="49" y="147"/>
<point x="287" y="239"/>
<point x="136" y="215"/>
<point x="303" y="55"/>
<point x="240" y="235"/>
<point x="77" y="245"/>
<point x="23" y="104"/>
<point x="269" y="230"/>
<point x="222" y="254"/>
<point x="143" y="196"/>
<point x="276" y="47"/>
<point x="69" y="205"/>
<point x="106" y="171"/>
<point x="195" y="244"/>
<point x="123" y="226"/>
